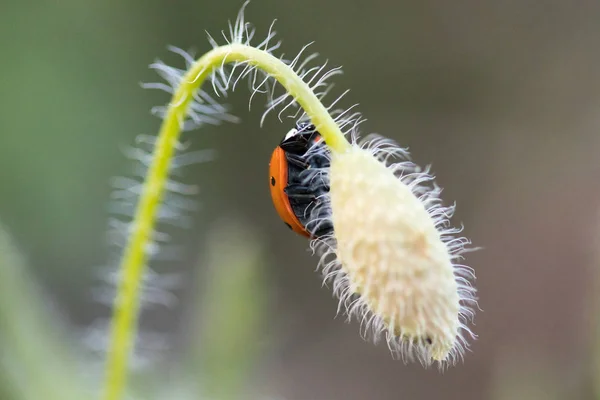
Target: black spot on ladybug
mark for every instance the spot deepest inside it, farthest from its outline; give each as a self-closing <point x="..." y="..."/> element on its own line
<point x="288" y="225"/>
<point x="272" y="181"/>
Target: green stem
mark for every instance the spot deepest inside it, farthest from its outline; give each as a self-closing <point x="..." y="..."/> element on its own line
<point x="127" y="302"/>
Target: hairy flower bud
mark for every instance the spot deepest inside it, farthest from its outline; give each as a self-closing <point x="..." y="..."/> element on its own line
<point x="394" y="255"/>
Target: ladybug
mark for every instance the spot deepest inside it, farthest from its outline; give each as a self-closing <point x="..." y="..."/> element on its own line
<point x="297" y="188"/>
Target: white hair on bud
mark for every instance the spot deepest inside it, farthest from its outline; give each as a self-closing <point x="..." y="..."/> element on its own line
<point x="394" y="258"/>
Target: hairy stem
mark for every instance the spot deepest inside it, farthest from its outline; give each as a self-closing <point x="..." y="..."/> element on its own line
<point x="127" y="302"/>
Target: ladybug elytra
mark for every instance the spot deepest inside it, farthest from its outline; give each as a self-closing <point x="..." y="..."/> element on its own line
<point x="297" y="188"/>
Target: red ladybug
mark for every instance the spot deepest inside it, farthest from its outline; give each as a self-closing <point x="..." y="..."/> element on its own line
<point x="297" y="187"/>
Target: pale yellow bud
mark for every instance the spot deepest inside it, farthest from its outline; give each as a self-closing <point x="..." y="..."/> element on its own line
<point x="393" y="262"/>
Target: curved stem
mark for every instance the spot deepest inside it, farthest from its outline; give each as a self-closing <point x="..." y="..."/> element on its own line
<point x="127" y="302"/>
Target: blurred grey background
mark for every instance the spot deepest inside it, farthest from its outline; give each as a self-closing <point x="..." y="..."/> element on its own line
<point x="502" y="98"/>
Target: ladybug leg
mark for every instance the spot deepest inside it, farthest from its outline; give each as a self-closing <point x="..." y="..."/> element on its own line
<point x="323" y="229"/>
<point x="320" y="225"/>
<point x="297" y="161"/>
<point x="321" y="161"/>
<point x="299" y="192"/>
<point x="313" y="178"/>
<point x="308" y="177"/>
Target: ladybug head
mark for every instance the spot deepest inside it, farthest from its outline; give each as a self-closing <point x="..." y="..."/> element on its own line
<point x="299" y="139"/>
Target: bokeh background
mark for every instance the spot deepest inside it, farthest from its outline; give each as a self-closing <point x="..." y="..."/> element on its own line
<point x="502" y="98"/>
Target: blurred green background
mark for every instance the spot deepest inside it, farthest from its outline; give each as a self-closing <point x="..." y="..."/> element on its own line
<point x="502" y="99"/>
